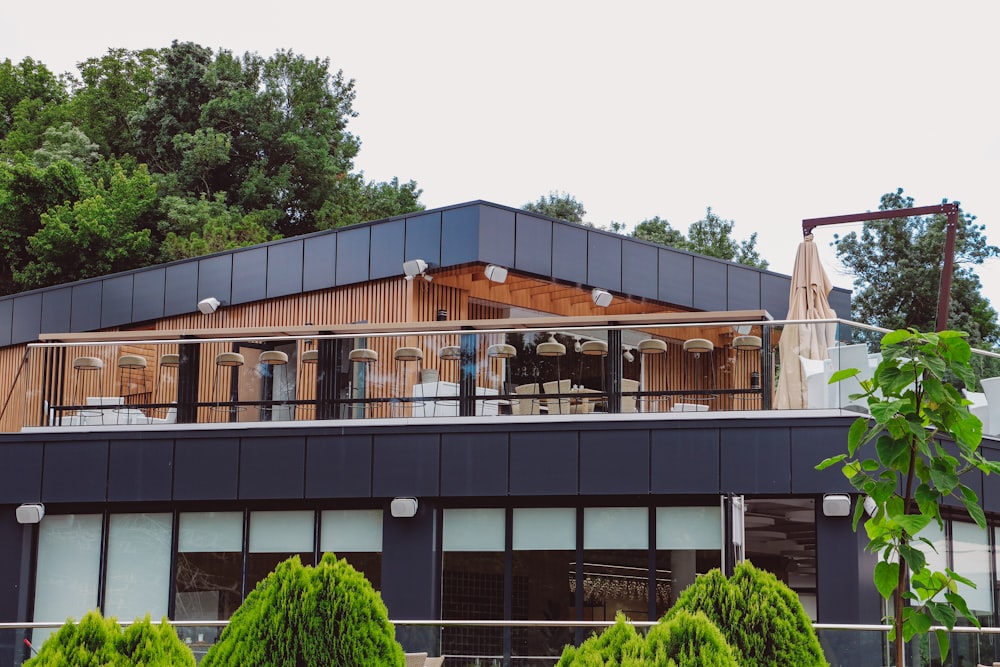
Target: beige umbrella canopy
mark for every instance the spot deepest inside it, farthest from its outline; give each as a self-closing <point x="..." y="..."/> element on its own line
<point x="807" y="301"/>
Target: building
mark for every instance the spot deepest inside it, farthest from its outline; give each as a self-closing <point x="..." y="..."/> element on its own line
<point x="467" y="480"/>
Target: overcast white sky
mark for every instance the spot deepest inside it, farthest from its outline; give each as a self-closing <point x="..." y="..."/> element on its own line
<point x="769" y="112"/>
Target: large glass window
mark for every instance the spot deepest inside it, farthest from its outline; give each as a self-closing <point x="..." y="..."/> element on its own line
<point x="971" y="558"/>
<point x="616" y="563"/>
<point x="69" y="561"/>
<point x="544" y="549"/>
<point x="473" y="542"/>
<point x="138" y="571"/>
<point x="277" y="536"/>
<point x="209" y="565"/>
<point x="688" y="543"/>
<point x="356" y="536"/>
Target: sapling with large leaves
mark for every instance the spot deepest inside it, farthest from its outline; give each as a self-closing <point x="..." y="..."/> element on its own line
<point x="914" y="411"/>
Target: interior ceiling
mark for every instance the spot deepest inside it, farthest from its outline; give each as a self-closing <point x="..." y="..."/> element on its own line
<point x="784" y="527"/>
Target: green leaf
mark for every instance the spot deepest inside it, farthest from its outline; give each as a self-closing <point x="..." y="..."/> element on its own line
<point x="886" y="578"/>
<point x="943" y="642"/>
<point x="891" y="452"/>
<point x="942" y="613"/>
<point x="826" y="463"/>
<point x="915" y="558"/>
<point x="854" y="436"/>
<point x="896" y="337"/>
<point x="912" y="523"/>
<point x="959" y="603"/>
<point x="944" y="476"/>
<point x="843" y="374"/>
<point x="914" y="623"/>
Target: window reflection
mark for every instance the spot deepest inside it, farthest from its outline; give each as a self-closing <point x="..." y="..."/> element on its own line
<point x="209" y="566"/>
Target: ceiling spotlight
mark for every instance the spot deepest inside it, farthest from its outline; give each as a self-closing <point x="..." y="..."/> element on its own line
<point x="209" y="305"/>
<point x="495" y="273"/>
<point x="601" y="297"/>
<point x="413" y="268"/>
<point x="627" y="355"/>
<point x="577" y="345"/>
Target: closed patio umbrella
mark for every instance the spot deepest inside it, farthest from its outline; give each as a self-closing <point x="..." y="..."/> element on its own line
<point x="808" y="300"/>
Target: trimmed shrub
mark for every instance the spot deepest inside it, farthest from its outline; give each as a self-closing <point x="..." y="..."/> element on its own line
<point x="761" y="618"/>
<point x="687" y="640"/>
<point x="100" y="642"/>
<point x="309" y="617"/>
<point x="619" y="644"/>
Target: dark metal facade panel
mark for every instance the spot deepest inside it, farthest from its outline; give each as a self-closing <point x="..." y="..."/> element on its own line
<point x="756" y="460"/>
<point x="249" y="281"/>
<point x="16" y="559"/>
<point x="697" y="448"/>
<point x="319" y="263"/>
<point x="774" y="291"/>
<point x="116" y="300"/>
<point x="20" y="473"/>
<point x="846" y="592"/>
<point x="149" y="294"/>
<point x="544" y="463"/>
<point x="339" y="466"/>
<point x="75" y="472"/>
<point x="810" y="445"/>
<point x="353" y="248"/>
<point x="284" y="268"/>
<point x="710" y="284"/>
<point x="387" y="250"/>
<point x="640" y="270"/>
<point x="215" y="278"/>
<point x="604" y="261"/>
<point x="411" y="569"/>
<point x="840" y="301"/>
<point x="676" y="278"/>
<point x="474" y="464"/>
<point x="423" y="238"/>
<point x="460" y="235"/>
<point x="85" y="314"/>
<point x="614" y="462"/>
<point x="406" y="465"/>
<point x="990" y="497"/>
<point x="140" y="470"/>
<point x="57" y="305"/>
<point x="496" y="235"/>
<point x="272" y="468"/>
<point x="180" y="291"/>
<point x="569" y="252"/>
<point x="742" y="288"/>
<point x="27" y="318"/>
<point x="532" y="245"/>
<point x="206" y="469"/>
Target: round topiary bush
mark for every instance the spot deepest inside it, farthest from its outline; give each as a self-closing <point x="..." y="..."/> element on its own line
<point x="619" y="644"/>
<point x="687" y="640"/>
<point x="761" y="618"/>
<point x="100" y="642"/>
<point x="309" y="617"/>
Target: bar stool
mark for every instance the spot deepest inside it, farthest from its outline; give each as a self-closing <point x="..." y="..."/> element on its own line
<point x="746" y="346"/>
<point x="596" y="348"/>
<point x="168" y="362"/>
<point x="131" y="376"/>
<point x="649" y="348"/>
<point x="362" y="358"/>
<point x="86" y="371"/>
<point x="225" y="362"/>
<point x="702" y="379"/>
<point x="272" y="359"/>
<point x="310" y="360"/>
<point x="554" y="349"/>
<point x="403" y="356"/>
<point x="503" y="352"/>
<point x="450" y="354"/>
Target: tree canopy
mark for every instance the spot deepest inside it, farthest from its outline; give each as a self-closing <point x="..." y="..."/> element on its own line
<point x="897" y="268"/>
<point x="712" y="236"/>
<point x="560" y="205"/>
<point x="160" y="154"/>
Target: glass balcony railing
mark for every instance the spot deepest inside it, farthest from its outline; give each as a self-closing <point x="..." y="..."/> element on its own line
<point x="539" y="368"/>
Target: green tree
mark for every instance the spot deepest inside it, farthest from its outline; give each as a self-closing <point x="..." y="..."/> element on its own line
<point x="31" y="99"/>
<point x="68" y="143"/>
<point x="713" y="236"/>
<point x="658" y="230"/>
<point x="561" y="205"/>
<point x="761" y="618"/>
<point x="688" y="640"/>
<point x="617" y="645"/>
<point x="196" y="228"/>
<point x="897" y="268"/>
<point x="309" y="617"/>
<point x="357" y="200"/>
<point x="100" y="642"/>
<point x="911" y="473"/>
<point x="101" y="232"/>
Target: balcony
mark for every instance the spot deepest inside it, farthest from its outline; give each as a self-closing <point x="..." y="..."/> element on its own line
<point x="658" y="366"/>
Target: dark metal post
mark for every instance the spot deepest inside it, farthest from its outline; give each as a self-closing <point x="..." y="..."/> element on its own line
<point x="187" y="382"/>
<point x="766" y="368"/>
<point x="613" y="371"/>
<point x="326" y="378"/>
<point x="467" y="376"/>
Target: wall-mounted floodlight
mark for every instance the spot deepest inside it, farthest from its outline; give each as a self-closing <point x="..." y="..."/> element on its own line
<point x="403" y="508"/>
<point x="836" y="504"/>
<point x="29" y="512"/>
<point x="209" y="305"/>
<point x="627" y="355"/>
<point x="495" y="273"/>
<point x="415" y="267"/>
<point x="601" y="297"/>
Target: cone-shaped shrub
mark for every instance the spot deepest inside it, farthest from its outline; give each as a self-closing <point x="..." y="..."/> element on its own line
<point x="99" y="642"/>
<point x="620" y="644"/>
<point x="761" y="618"/>
<point x="309" y="617"/>
<point x="687" y="640"/>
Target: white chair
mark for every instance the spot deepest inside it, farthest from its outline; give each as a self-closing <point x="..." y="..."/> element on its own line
<point x="850" y="356"/>
<point x="980" y="408"/>
<point x="525" y="406"/>
<point x="103" y="410"/>
<point x="991" y="387"/>
<point x="561" y="403"/>
<point x="628" y="402"/>
<point x="416" y="659"/>
<point x="817" y="374"/>
<point x="689" y="407"/>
